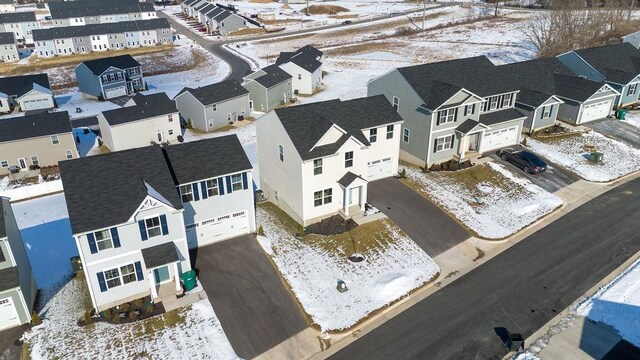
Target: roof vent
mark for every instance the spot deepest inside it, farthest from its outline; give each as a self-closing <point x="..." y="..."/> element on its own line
<point x="582" y="76"/>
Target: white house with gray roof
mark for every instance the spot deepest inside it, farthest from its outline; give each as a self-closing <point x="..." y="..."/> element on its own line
<point x="144" y="120"/>
<point x="21" y="24"/>
<point x="316" y="159"/>
<point x="17" y="285"/>
<point x="25" y="93"/>
<point x="305" y="67"/>
<point x="213" y="106"/>
<point x="8" y="48"/>
<point x="268" y="87"/>
<point x="134" y="228"/>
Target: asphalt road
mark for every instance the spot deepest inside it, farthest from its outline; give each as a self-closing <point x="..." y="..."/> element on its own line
<point x="520" y="289"/>
<point x="429" y="227"/>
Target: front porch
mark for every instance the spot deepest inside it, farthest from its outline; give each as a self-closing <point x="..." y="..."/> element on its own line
<point x="354" y="193"/>
<point x="471" y="136"/>
<point x="163" y="272"/>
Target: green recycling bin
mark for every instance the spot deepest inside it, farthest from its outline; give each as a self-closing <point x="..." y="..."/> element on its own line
<point x="596" y="157"/>
<point x="189" y="280"/>
<point x="622" y="113"/>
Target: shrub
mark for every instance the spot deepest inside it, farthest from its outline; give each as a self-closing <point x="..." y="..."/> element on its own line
<point x="260" y="231"/>
<point x="189" y="124"/>
<point x="139" y="303"/>
<point x="116" y="318"/>
<point x="403" y="173"/>
<point x="106" y="314"/>
<point x="87" y="318"/>
<point x="406" y="31"/>
<point x="300" y="229"/>
<point x="149" y="308"/>
<point x="125" y="307"/>
<point x="35" y="319"/>
<point x="524" y="141"/>
<point x="133" y="315"/>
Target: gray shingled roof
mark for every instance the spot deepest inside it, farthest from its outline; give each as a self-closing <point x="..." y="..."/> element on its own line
<point x="9" y="278"/>
<point x="274" y="76"/>
<point x="215" y="93"/>
<point x="348" y="178"/>
<point x="95" y="8"/>
<point x="160" y="255"/>
<point x="305" y="57"/>
<point x="153" y="24"/>
<point x="306" y="124"/>
<point x="7" y="2"/>
<point x="467" y="126"/>
<point x="205" y="9"/>
<point x="17" y="17"/>
<point x="532" y="97"/>
<point x="99" y="66"/>
<point x="501" y="116"/>
<point x="31" y="126"/>
<point x="7" y="38"/>
<point x="616" y="62"/>
<point x="98" y="29"/>
<point x="147" y="106"/>
<point x="22" y="84"/>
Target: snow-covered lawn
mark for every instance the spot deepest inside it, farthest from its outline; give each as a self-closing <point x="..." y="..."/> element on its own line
<point x="570" y="152"/>
<point x="488" y="199"/>
<point x="633" y="118"/>
<point x="618" y="304"/>
<point x="393" y="266"/>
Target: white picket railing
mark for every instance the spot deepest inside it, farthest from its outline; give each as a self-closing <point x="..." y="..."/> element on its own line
<point x="35" y="190"/>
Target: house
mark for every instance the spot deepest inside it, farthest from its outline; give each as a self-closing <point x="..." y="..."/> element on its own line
<point x="111" y="77"/>
<point x="80" y="13"/>
<point x="22" y="24"/>
<point x="268" y="88"/>
<point x="550" y="91"/>
<point x="316" y="159"/>
<point x="134" y="228"/>
<point x="213" y="106"/>
<point x="144" y="120"/>
<point x="633" y="39"/>
<point x="305" y="67"/>
<point x="17" y="285"/>
<point x="25" y="93"/>
<point x="7" y="6"/>
<point x="452" y="110"/>
<point x="616" y="65"/>
<point x="227" y="22"/>
<point x="33" y="141"/>
<point x="8" y="48"/>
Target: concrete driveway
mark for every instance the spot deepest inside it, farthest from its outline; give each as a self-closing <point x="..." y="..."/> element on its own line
<point x="429" y="226"/>
<point x="552" y="180"/>
<point x="618" y="130"/>
<point x="256" y="311"/>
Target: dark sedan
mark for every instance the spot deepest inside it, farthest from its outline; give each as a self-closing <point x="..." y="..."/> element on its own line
<point x="527" y="161"/>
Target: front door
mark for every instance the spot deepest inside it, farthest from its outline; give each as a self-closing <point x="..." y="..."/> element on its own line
<point x="354" y="195"/>
<point x="473" y="142"/>
<point x="161" y="274"/>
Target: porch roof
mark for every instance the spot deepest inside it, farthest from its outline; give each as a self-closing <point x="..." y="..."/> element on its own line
<point x="469" y="125"/>
<point x="349" y="178"/>
<point x="159" y="255"/>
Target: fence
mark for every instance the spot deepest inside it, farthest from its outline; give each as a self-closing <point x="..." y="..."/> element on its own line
<point x="31" y="191"/>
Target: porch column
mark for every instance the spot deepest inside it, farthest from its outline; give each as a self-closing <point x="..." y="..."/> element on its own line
<point x="177" y="277"/>
<point x="463" y="146"/>
<point x="345" y="205"/>
<point x="152" y="284"/>
<point x="363" y="196"/>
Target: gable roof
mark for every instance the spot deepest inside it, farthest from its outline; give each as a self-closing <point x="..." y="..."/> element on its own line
<point x="307" y="124"/>
<point x="161" y="254"/>
<point x="16" y="17"/>
<point x="7" y="38"/>
<point x="31" y="126"/>
<point x="272" y="77"/>
<point x="215" y="93"/>
<point x="348" y="178"/>
<point x="616" y="62"/>
<point x="306" y="57"/>
<point x="146" y="106"/>
<point x="20" y="85"/>
<point x="99" y="66"/>
<point x="469" y="125"/>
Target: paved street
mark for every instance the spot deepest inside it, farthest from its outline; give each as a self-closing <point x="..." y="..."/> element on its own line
<point x="254" y="308"/>
<point x="8" y="348"/>
<point x="521" y="289"/>
<point x="618" y="130"/>
<point x="430" y="227"/>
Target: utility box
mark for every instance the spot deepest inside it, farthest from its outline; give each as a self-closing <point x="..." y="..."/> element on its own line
<point x="516" y="342"/>
<point x="76" y="264"/>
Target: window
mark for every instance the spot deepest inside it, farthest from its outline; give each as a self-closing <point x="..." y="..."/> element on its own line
<point x="373" y="135"/>
<point x="212" y="187"/>
<point x="34" y="160"/>
<point x="632" y="89"/>
<point x="405" y="135"/>
<point x="69" y="154"/>
<point x="396" y="103"/>
<point x="299" y="76"/>
<point x="493" y="103"/>
<point x="186" y="193"/>
<point x="281" y="152"/>
<point x="55" y="140"/>
<point x="4" y="163"/>
<point x="322" y="197"/>
<point x="348" y="159"/>
<point x="443" y="143"/>
<point x="214" y="107"/>
<point x="317" y="167"/>
<point x="153" y="227"/>
<point x="103" y="239"/>
<point x="170" y="117"/>
<point x="236" y="182"/>
<point x="170" y="132"/>
<point x="446" y="116"/>
<point x="506" y="100"/>
<point x="128" y="273"/>
<point x="389" y="132"/>
<point x="468" y="109"/>
<point x="112" y="277"/>
<point x="546" y="112"/>
<point x="105" y="78"/>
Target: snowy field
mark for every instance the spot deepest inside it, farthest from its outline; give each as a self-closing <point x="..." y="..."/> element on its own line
<point x="391" y="270"/>
<point x="488" y="199"/>
<point x="570" y="152"/>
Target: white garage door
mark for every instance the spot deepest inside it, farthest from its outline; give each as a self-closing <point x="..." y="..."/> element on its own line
<point x="115" y="92"/>
<point x="379" y="169"/>
<point x="35" y="104"/>
<point x="599" y="110"/>
<point x="500" y="138"/>
<point x="219" y="228"/>
<point x="8" y="314"/>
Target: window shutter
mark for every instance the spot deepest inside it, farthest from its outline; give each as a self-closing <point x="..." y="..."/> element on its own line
<point x="196" y="194"/>
<point x="229" y="188"/>
<point x="103" y="284"/>
<point x="2" y="258"/>
<point x="143" y="230"/>
<point x="92" y="243"/>
<point x="115" y="237"/>
<point x="163" y="224"/>
<point x="551" y="110"/>
<point x="435" y="145"/>
<point x="203" y="186"/>
<point x="245" y="185"/>
<point x="455" y="115"/>
<point x="221" y="186"/>
<point x="473" y="109"/>
<point x="139" y="273"/>
<point x="542" y="113"/>
<point x="438" y="118"/>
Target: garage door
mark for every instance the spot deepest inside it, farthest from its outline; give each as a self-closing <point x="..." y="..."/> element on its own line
<point x="115" y="92"/>
<point x="599" y="110"/>
<point x="218" y="228"/>
<point x="379" y="169"/>
<point x="500" y="138"/>
<point x="8" y="314"/>
<point x="35" y="104"/>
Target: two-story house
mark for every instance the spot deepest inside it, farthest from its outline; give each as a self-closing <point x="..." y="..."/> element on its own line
<point x="8" y="48"/>
<point x="617" y="65"/>
<point x="452" y="110"/>
<point x="305" y="67"/>
<point x="17" y="285"/>
<point x="316" y="160"/>
<point x="21" y="24"/>
<point x="34" y="141"/>
<point x="109" y="78"/>
<point x="268" y="87"/>
<point x="134" y="228"/>
<point x="25" y="93"/>
<point x="213" y="106"/>
<point x="143" y="120"/>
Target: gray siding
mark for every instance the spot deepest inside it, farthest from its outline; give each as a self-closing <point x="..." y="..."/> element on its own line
<point x="267" y="99"/>
<point x="569" y="111"/>
<point x="87" y="82"/>
<point x="82" y="42"/>
<point x="231" y="107"/>
<point x="625" y="99"/>
<point x="8" y="53"/>
<point x="579" y="66"/>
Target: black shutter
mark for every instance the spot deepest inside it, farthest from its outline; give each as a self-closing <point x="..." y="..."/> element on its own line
<point x="455" y="115"/>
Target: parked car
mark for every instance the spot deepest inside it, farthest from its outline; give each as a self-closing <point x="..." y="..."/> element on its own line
<point x="527" y="161"/>
<point x="347" y="22"/>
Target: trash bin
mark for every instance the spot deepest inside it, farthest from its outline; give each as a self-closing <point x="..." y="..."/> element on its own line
<point x="596" y="157"/>
<point x="76" y="264"/>
<point x="189" y="280"/>
<point x="621" y="114"/>
<point x="516" y="342"/>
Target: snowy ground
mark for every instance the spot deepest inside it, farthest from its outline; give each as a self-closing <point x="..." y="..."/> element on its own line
<point x="633" y="118"/>
<point x="569" y="152"/>
<point x="488" y="199"/>
<point x="393" y="267"/>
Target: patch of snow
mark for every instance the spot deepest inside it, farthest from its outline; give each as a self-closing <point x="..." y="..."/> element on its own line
<point x="525" y="356"/>
<point x="379" y="55"/>
<point x="633" y="118"/>
<point x="73" y="99"/>
<point x="40" y="211"/>
<point x="618" y="160"/>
